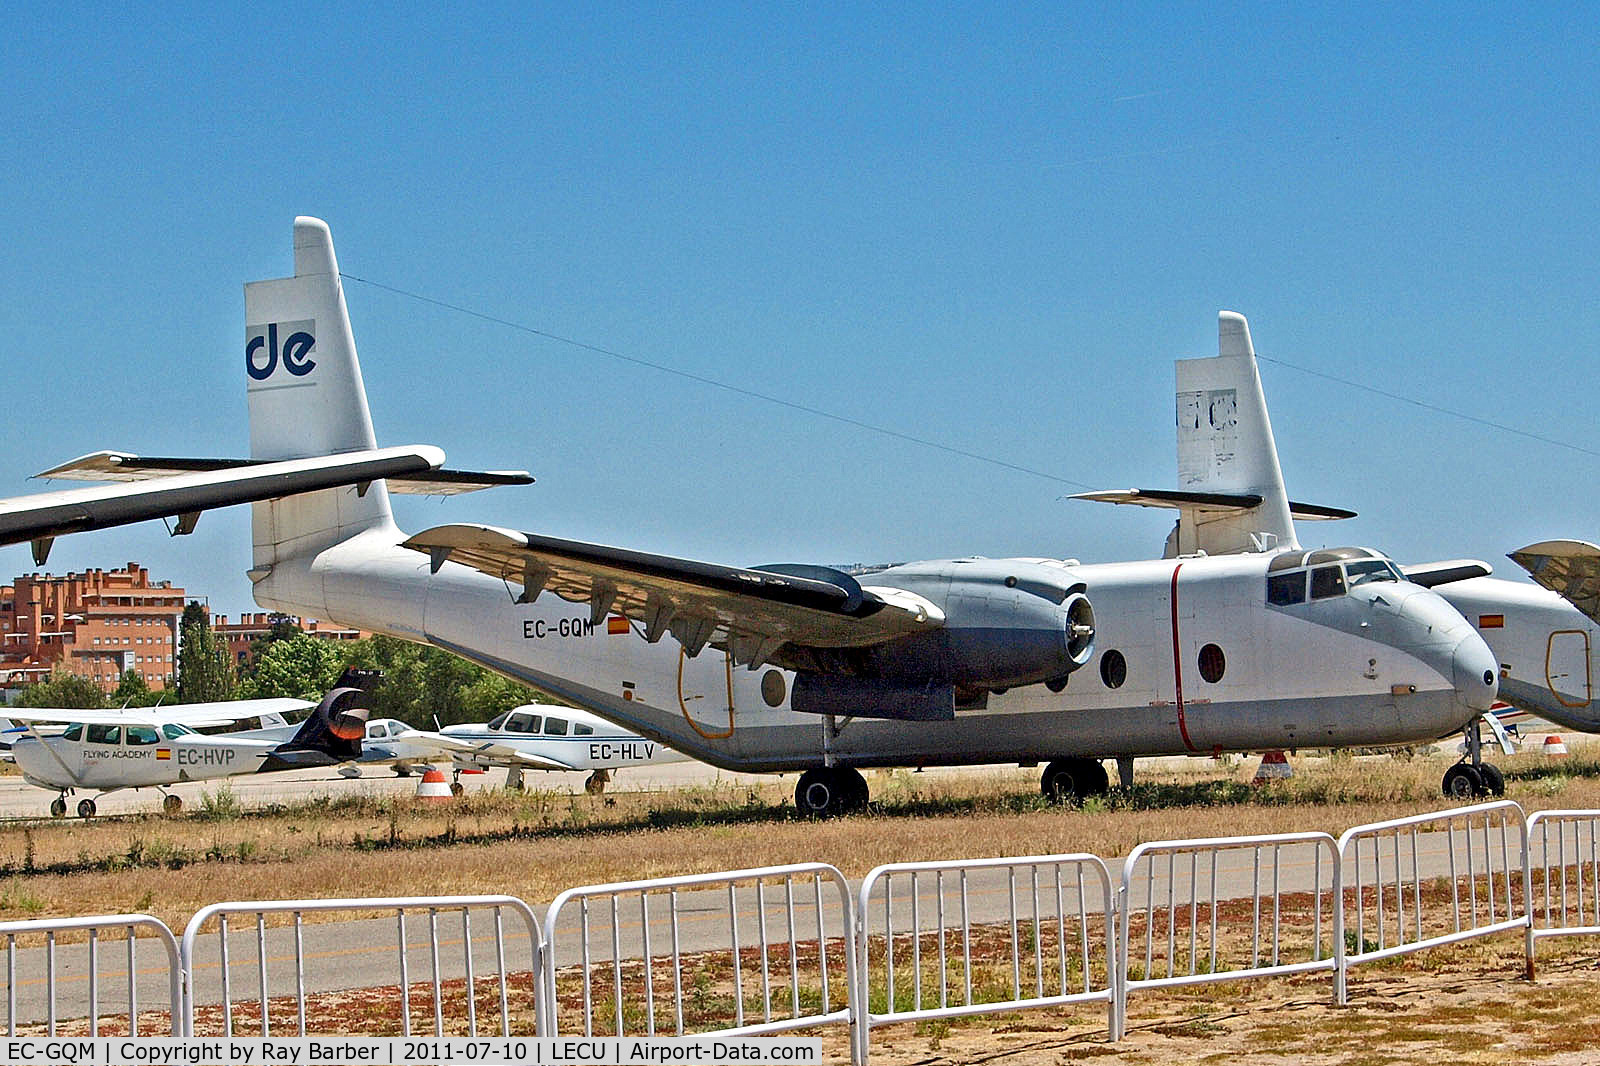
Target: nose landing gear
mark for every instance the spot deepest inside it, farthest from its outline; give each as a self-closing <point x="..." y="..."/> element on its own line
<point x="1472" y="778"/>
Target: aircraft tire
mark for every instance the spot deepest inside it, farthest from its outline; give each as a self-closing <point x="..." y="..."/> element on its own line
<point x="456" y="788"/>
<point x="171" y="804"/>
<point x="1462" y="781"/>
<point x="58" y="807"/>
<point x="856" y="793"/>
<point x="86" y="808"/>
<point x="1494" y="782"/>
<point x="1074" y="780"/>
<point x="826" y="792"/>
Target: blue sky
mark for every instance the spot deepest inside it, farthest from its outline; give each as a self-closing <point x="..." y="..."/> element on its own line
<point x="989" y="227"/>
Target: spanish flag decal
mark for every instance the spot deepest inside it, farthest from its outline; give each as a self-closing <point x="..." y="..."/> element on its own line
<point x="1491" y="621"/>
<point x="163" y="754"/>
<point x="616" y="625"/>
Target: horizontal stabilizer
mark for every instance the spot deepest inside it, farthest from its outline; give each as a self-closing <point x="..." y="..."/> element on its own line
<point x="1208" y="502"/>
<point x="1569" y="568"/>
<point x="1429" y="575"/>
<point x="126" y="467"/>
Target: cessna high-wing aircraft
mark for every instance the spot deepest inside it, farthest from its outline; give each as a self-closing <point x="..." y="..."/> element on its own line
<point x="1545" y="640"/>
<point x="539" y="736"/>
<point x="802" y="667"/>
<point x="106" y="751"/>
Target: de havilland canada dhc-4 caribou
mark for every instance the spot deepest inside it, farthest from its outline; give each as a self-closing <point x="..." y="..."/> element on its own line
<point x="805" y="668"/>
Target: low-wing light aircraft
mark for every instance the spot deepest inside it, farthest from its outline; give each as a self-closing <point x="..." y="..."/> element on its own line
<point x="802" y="667"/>
<point x="539" y="736"/>
<point x="1544" y="640"/>
<point x="107" y="751"/>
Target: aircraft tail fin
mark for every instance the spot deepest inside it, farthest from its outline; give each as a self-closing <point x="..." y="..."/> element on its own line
<point x="334" y="731"/>
<point x="306" y="398"/>
<point x="1225" y="446"/>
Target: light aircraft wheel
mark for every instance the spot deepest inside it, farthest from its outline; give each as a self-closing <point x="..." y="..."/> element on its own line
<point x="1462" y="781"/>
<point x="456" y="788"/>
<point x="86" y="808"/>
<point x="171" y="804"/>
<point x="402" y="771"/>
<point x="596" y="782"/>
<point x="1493" y="780"/>
<point x="58" y="807"/>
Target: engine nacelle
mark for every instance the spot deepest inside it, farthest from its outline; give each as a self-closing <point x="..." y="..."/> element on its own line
<point x="1007" y="623"/>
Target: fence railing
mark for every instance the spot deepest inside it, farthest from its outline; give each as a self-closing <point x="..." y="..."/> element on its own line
<point x="1563" y="876"/>
<point x="977" y="936"/>
<point x="1430" y="880"/>
<point x="130" y="925"/>
<point x="780" y="948"/>
<point x="451" y="956"/>
<point x="745" y="952"/>
<point x="1225" y="909"/>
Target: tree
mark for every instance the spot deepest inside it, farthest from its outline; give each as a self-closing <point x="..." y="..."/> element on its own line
<point x="279" y="627"/>
<point x="301" y="667"/>
<point x="64" y="689"/>
<point x="205" y="671"/>
<point x="133" y="692"/>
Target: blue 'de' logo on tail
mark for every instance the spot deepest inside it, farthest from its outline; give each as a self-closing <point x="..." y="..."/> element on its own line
<point x="263" y="354"/>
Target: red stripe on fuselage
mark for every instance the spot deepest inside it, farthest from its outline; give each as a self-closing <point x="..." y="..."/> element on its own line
<point x="1177" y="662"/>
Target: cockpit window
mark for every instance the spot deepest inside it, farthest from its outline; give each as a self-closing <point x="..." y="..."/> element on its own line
<point x="172" y="731"/>
<point x="1284" y="590"/>
<point x="555" y="727"/>
<point x="74" y="731"/>
<point x="1371" y="570"/>
<point x="523" y="723"/>
<point x="1327" y="581"/>
<point x="499" y="721"/>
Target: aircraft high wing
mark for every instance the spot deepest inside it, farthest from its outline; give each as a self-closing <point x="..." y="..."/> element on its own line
<point x="192" y="715"/>
<point x="753" y="614"/>
<point x="182" y="488"/>
<point x="1569" y="568"/>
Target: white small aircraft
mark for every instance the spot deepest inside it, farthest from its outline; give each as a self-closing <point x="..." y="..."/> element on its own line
<point x="107" y="751"/>
<point x="537" y="736"/>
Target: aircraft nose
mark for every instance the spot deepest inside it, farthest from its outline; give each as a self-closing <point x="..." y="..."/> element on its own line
<point x="1475" y="672"/>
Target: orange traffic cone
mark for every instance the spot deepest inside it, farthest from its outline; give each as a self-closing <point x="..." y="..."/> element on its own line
<point x="433" y="787"/>
<point x="1555" y="747"/>
<point x="1274" y="767"/>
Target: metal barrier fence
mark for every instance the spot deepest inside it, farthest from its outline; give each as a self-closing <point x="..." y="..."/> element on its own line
<point x="776" y="956"/>
<point x="1430" y="880"/>
<point x="130" y="924"/>
<point x="980" y="951"/>
<point x="270" y="945"/>
<point x="1562" y="876"/>
<point x="1262" y="913"/>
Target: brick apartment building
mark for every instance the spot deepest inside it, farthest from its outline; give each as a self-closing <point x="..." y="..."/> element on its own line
<point x="100" y="624"/>
<point x="249" y="628"/>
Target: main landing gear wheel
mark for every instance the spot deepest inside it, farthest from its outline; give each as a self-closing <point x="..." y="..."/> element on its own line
<point x="58" y="807"/>
<point x="171" y="804"/>
<point x="597" y="782"/>
<point x="86" y="808"/>
<point x="1074" y="780"/>
<point x="1466" y="781"/>
<point x="829" y="791"/>
<point x="1463" y="781"/>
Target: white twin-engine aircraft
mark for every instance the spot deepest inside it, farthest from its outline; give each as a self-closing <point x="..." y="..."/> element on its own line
<point x="801" y="667"/>
<point x="107" y="751"/>
<point x="813" y="669"/>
